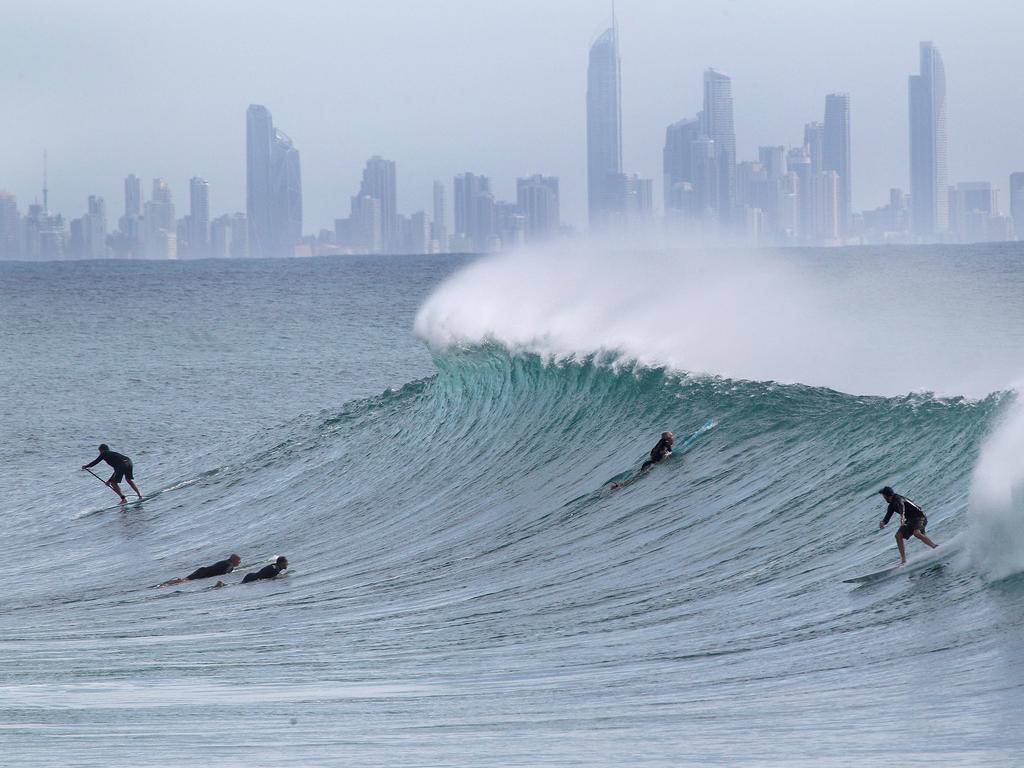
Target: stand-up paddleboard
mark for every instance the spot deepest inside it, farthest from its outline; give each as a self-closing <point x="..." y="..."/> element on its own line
<point x="623" y="479"/>
<point x="914" y="564"/>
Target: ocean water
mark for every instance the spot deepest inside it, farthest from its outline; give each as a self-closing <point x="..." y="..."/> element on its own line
<point x="430" y="441"/>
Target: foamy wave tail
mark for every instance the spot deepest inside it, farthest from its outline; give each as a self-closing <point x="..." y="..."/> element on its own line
<point x="869" y="323"/>
<point x="996" y="512"/>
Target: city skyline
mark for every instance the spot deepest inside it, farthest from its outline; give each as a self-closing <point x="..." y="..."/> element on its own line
<point x="499" y="132"/>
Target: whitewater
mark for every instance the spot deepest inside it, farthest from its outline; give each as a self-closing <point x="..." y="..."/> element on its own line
<point x="431" y="443"/>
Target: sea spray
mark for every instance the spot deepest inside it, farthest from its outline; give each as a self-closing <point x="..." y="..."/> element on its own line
<point x="996" y="511"/>
<point x="862" y="322"/>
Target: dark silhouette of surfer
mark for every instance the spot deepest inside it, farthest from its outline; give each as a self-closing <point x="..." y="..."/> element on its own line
<point x="659" y="452"/>
<point x="207" y="571"/>
<point x="122" y="470"/>
<point x="912" y="520"/>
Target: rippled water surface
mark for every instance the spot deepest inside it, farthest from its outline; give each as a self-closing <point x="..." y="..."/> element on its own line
<point x="465" y="590"/>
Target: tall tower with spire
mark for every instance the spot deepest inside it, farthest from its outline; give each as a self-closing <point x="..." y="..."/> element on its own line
<point x="605" y="200"/>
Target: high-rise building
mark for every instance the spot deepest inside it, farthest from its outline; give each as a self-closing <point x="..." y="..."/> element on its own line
<point x="704" y="166"/>
<point x="773" y="160"/>
<point x="439" y="225"/>
<point x="286" y="195"/>
<point x="798" y="160"/>
<point x="239" y="236"/>
<point x="474" y="210"/>
<point x="273" y="187"/>
<point x="259" y="138"/>
<point x="718" y="126"/>
<point x="929" y="200"/>
<point x="10" y="241"/>
<point x="366" y="229"/>
<point x="973" y="208"/>
<point x="836" y="152"/>
<point x="814" y="144"/>
<point x="826" y="205"/>
<point x="96" y="228"/>
<point x="416" y="237"/>
<point x="220" y="237"/>
<point x="199" y="218"/>
<point x="1017" y="202"/>
<point x="604" y="131"/>
<point x="132" y="197"/>
<point x="677" y="168"/>
<point x="161" y="225"/>
<point x="537" y="201"/>
<point x="379" y="182"/>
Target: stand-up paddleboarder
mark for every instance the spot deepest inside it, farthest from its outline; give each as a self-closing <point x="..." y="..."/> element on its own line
<point x="122" y="466"/>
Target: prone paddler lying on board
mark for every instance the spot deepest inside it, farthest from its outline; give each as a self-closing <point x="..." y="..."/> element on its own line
<point x="913" y="520"/>
<point x="220" y="568"/>
<point x="659" y="452"/>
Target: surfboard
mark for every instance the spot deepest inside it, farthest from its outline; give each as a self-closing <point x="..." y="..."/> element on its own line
<point x="623" y="479"/>
<point x="913" y="565"/>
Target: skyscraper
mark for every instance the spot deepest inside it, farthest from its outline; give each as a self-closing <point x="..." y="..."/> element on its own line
<point x="814" y="143"/>
<point x="929" y="200"/>
<point x="379" y="182"/>
<point x="9" y="221"/>
<point x="439" y="226"/>
<point x="1017" y="202"/>
<point x="132" y="197"/>
<point x="161" y="225"/>
<point x="799" y="163"/>
<point x="537" y="201"/>
<point x="273" y="187"/>
<point x="604" y="130"/>
<point x="199" y="218"/>
<point x="718" y="126"/>
<point x="677" y="167"/>
<point x="286" y="195"/>
<point x="96" y="228"/>
<point x="836" y="152"/>
<point x="259" y="137"/>
<point x="474" y="210"/>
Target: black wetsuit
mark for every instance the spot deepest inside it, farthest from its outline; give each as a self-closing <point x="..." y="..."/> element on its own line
<point x="658" y="452"/>
<point x="914" y="517"/>
<point x="122" y="464"/>
<point x="267" y="572"/>
<point x="217" y="569"/>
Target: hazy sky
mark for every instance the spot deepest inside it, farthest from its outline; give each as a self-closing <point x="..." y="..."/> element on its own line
<point x="497" y="87"/>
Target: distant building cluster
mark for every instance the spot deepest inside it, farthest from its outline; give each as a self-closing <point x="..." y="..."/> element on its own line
<point x="799" y="195"/>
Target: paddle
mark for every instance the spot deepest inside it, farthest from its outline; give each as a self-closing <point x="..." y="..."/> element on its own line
<point x="100" y="479"/>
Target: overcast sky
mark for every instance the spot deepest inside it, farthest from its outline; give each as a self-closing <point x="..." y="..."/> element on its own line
<point x="497" y="87"/>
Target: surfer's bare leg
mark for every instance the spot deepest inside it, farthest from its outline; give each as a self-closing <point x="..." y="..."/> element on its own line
<point x="172" y="582"/>
<point x="899" y="545"/>
<point x="135" y="488"/>
<point x="923" y="537"/>
<point x="115" y="488"/>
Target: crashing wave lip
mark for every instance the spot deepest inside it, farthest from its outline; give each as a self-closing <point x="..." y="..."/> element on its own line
<point x="883" y="328"/>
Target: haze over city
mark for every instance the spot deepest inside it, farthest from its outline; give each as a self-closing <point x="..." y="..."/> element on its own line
<point x="495" y="88"/>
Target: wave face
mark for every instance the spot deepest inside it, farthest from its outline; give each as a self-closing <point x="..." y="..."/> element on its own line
<point x="466" y="590"/>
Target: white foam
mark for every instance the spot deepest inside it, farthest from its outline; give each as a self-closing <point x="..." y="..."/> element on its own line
<point x="996" y="511"/>
<point x="890" y="325"/>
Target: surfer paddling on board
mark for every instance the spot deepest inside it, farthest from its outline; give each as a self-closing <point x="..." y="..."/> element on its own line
<point x="913" y="520"/>
<point x="659" y="452"/>
<point x="207" y="571"/>
<point x="268" y="571"/>
<point x="122" y="470"/>
<point x="662" y="450"/>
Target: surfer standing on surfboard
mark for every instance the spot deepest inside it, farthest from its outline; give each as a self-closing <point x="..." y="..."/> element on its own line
<point x="913" y="520"/>
<point x="122" y="470"/>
